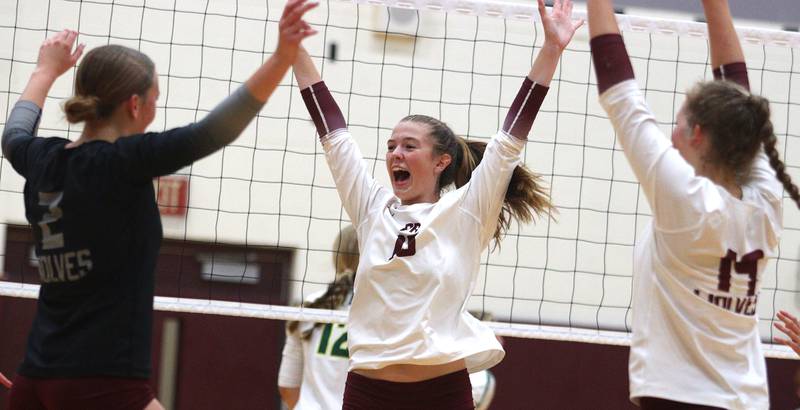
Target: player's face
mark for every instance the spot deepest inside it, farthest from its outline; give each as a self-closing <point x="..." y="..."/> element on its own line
<point x="413" y="166"/>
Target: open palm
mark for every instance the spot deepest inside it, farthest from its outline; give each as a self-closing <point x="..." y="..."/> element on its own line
<point x="558" y="25"/>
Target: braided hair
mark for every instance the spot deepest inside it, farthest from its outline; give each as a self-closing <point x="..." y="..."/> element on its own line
<point x="738" y="124"/>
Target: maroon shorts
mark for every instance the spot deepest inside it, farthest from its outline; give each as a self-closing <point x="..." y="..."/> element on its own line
<point x="452" y="392"/>
<point x="654" y="403"/>
<point x="79" y="394"/>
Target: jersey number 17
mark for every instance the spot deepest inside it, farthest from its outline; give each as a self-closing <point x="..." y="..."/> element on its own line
<point x="747" y="266"/>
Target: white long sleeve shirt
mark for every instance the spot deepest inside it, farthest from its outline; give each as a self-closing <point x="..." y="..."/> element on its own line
<point x="697" y="270"/>
<point x="419" y="262"/>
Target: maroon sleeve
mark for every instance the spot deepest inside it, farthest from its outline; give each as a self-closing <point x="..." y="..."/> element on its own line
<point x="323" y="109"/>
<point x="736" y="72"/>
<point x="519" y="119"/>
<point x="612" y="65"/>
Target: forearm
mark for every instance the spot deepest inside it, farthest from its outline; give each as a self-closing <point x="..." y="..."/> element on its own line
<point x="322" y="107"/>
<point x="544" y="67"/>
<point x="267" y="78"/>
<point x="524" y="109"/>
<point x="304" y="70"/>
<point x="601" y="18"/>
<point x="725" y="47"/>
<point x="228" y="119"/>
<point x="612" y="65"/>
<point x="290" y="373"/>
<point x="727" y="57"/>
<point x="38" y="86"/>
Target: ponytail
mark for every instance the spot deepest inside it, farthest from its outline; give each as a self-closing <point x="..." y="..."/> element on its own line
<point x="81" y="108"/>
<point x="525" y="197"/>
<point x="760" y="108"/>
<point x="738" y="124"/>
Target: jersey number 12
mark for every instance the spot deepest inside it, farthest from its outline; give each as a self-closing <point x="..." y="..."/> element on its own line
<point x="339" y="348"/>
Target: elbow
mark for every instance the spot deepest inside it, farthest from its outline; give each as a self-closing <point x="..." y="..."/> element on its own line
<point x="5" y="142"/>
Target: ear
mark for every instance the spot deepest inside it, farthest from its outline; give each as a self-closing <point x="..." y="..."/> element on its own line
<point x="442" y="163"/>
<point x="133" y="106"/>
<point x="697" y="137"/>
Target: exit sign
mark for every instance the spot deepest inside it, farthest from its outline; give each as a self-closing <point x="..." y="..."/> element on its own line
<point x="172" y="193"/>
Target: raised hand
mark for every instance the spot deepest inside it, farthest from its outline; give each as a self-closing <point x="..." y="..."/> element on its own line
<point x="791" y="326"/>
<point x="558" y="25"/>
<point x="56" y="55"/>
<point x="293" y="29"/>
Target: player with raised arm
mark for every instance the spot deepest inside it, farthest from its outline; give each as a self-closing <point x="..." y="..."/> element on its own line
<point x="715" y="193"/>
<point x="411" y="340"/>
<point x="315" y="357"/>
<point x="96" y="224"/>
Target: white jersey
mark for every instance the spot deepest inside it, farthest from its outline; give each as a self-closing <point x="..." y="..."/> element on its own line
<point x="419" y="262"/>
<point x="697" y="270"/>
<point x="318" y="365"/>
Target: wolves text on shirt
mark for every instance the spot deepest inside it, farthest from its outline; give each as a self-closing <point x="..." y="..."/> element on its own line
<point x="742" y="305"/>
<point x="64" y="266"/>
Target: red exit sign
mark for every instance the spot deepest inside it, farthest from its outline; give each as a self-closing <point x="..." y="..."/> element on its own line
<point x="172" y="193"/>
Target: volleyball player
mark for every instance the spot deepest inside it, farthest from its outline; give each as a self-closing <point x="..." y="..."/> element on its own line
<point x="789" y="325"/>
<point x="716" y="195"/>
<point x="315" y="358"/>
<point x="92" y="208"/>
<point x="411" y="341"/>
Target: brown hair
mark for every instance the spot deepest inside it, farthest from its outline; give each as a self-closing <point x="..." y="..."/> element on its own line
<point x="737" y="123"/>
<point x="107" y="76"/>
<point x="345" y="259"/>
<point x="525" y="196"/>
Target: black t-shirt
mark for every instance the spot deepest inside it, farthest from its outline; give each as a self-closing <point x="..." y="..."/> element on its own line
<point x="98" y="233"/>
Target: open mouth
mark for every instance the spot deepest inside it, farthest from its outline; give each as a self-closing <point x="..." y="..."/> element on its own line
<point x="400" y="175"/>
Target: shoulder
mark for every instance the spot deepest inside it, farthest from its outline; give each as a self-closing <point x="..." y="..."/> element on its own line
<point x="41" y="151"/>
<point x="48" y="144"/>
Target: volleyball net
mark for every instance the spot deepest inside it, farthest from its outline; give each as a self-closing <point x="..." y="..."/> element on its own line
<point x="249" y="230"/>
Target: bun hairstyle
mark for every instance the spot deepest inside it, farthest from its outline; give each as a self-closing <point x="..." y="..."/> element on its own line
<point x="345" y="259"/>
<point x="525" y="197"/>
<point x="107" y="76"/>
<point x="738" y="125"/>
